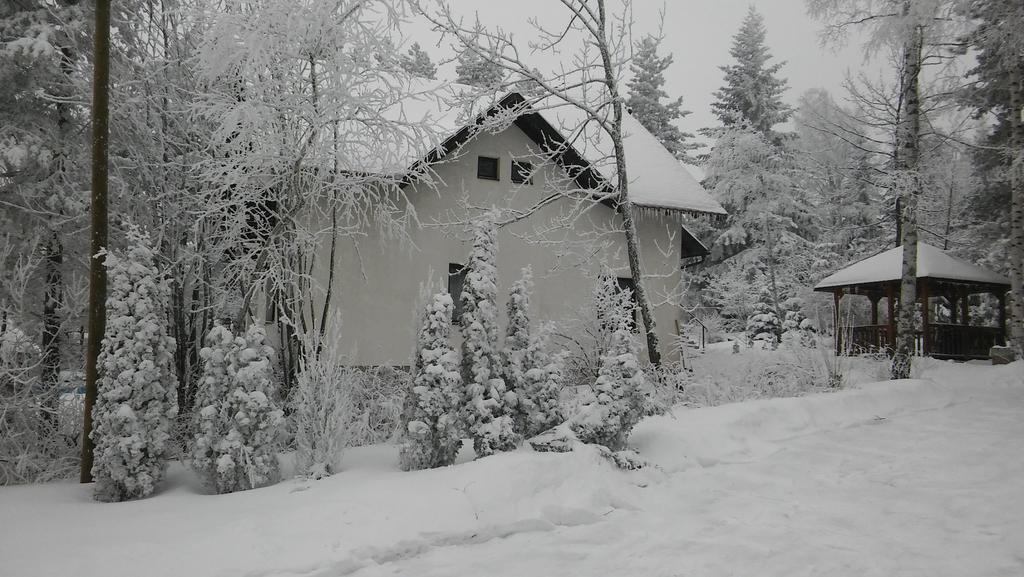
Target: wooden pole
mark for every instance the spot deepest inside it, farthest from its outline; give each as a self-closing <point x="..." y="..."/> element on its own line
<point x="876" y="334"/>
<point x="838" y="296"/>
<point x="926" y="345"/>
<point x="965" y="302"/>
<point x="1002" y="318"/>
<point x="890" y="294"/>
<point x="97" y="269"/>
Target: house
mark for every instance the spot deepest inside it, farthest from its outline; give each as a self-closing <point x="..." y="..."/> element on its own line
<point x="547" y="183"/>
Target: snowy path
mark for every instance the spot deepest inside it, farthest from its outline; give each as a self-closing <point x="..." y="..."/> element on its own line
<point x="929" y="493"/>
<point x="914" y="478"/>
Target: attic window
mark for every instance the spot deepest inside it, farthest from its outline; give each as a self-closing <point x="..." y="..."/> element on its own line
<point x="456" y="278"/>
<point x="522" y="172"/>
<point x="487" y="167"/>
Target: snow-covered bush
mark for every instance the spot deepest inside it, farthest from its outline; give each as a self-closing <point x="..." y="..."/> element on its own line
<point x="322" y="412"/>
<point x="137" y="404"/>
<point x="618" y="401"/>
<point x="517" y="341"/>
<point x="378" y="394"/>
<point x="430" y="436"/>
<point x="487" y="405"/>
<point x="543" y="378"/>
<point x="238" y="421"/>
<point x="797" y="329"/>
<point x="764" y="324"/>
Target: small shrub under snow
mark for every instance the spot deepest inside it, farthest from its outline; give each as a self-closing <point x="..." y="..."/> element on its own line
<point x="323" y="410"/>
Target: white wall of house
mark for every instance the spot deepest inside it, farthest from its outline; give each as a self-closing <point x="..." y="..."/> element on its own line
<point x="379" y="282"/>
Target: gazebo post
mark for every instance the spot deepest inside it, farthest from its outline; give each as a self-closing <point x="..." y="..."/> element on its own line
<point x="965" y="312"/>
<point x="874" y="298"/>
<point x="954" y="305"/>
<point x="890" y="296"/>
<point x="925" y="317"/>
<point x="1002" y="317"/>
<point x="838" y="296"/>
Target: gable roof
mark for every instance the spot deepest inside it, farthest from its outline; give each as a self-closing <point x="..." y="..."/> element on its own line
<point x="931" y="263"/>
<point x="657" y="179"/>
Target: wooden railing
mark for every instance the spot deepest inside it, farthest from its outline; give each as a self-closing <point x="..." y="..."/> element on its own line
<point x="964" y="342"/>
<point x="868" y="338"/>
<point x="944" y="340"/>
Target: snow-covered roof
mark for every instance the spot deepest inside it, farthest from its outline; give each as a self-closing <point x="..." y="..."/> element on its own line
<point x="657" y="179"/>
<point x="931" y="263"/>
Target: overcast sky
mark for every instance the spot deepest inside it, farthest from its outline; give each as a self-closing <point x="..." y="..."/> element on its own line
<point x="699" y="34"/>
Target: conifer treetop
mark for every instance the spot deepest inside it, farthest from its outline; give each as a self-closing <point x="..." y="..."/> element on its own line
<point x="646" y="95"/>
<point x="752" y="90"/>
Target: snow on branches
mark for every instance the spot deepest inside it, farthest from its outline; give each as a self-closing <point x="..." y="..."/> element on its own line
<point x="137" y="403"/>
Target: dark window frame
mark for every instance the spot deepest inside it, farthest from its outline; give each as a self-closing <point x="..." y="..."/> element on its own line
<point x="522" y="172"/>
<point x="481" y="162"/>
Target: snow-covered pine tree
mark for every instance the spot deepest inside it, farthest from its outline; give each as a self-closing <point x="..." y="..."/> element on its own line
<point x="764" y="324"/>
<point x="645" y="99"/>
<point x="540" y="391"/>
<point x="998" y="42"/>
<point x="487" y="405"/>
<point x="430" y="417"/>
<point x="797" y="329"/>
<point x="752" y="91"/>
<point x="475" y="70"/>
<point x="517" y="341"/>
<point x="618" y="403"/>
<point x="237" y="441"/>
<point x="209" y="427"/>
<point x="417" y="62"/>
<point x="137" y="404"/>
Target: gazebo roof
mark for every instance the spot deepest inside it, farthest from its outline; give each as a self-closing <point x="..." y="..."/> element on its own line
<point x="932" y="263"/>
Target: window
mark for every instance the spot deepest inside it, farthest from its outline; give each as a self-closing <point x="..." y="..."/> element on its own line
<point x="522" y="172"/>
<point x="456" y="278"/>
<point x="487" y="168"/>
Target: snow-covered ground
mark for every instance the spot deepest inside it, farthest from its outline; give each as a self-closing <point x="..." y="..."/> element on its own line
<point x="910" y="478"/>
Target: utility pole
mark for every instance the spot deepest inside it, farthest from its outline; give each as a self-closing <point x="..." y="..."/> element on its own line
<point x="98" y="241"/>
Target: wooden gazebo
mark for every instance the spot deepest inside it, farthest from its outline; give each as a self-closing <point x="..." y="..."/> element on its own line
<point x="939" y="275"/>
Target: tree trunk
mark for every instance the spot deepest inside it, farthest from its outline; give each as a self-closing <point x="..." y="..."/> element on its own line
<point x="97" y="268"/>
<point x="624" y="205"/>
<point x="908" y="187"/>
<point x="1016" y="250"/>
<point x="770" y="246"/>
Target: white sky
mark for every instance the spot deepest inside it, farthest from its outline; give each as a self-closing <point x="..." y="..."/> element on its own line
<point x="699" y="34"/>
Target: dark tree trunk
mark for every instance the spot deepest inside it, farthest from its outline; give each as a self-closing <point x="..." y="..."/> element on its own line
<point x="1016" y="250"/>
<point x="97" y="268"/>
